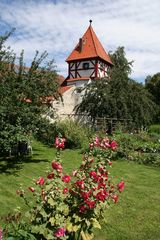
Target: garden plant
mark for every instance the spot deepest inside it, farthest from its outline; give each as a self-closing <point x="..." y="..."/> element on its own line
<point x="69" y="206"/>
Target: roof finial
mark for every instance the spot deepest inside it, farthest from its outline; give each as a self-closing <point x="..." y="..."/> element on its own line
<point x="90" y="22"/>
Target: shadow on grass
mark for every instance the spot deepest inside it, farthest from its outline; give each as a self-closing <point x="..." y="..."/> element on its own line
<point x="12" y="165"/>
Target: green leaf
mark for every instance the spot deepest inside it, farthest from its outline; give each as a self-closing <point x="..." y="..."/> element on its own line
<point x="52" y="221"/>
<point x="51" y="202"/>
<point x="95" y="223"/>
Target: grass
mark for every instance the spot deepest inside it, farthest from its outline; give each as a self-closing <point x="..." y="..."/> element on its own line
<point x="135" y="217"/>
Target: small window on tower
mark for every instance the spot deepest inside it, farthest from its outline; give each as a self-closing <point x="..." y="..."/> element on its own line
<point x="85" y="65"/>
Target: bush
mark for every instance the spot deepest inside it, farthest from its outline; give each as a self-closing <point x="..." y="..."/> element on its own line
<point x="76" y="134"/>
<point x="154" y="129"/>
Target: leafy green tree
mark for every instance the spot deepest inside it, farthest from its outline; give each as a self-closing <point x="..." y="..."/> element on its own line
<point x="23" y="93"/>
<point x="117" y="96"/>
<point x="152" y="84"/>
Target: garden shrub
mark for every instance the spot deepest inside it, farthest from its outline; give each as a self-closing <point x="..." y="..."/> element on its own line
<point x="69" y="206"/>
<point x="154" y="129"/>
<point x="77" y="135"/>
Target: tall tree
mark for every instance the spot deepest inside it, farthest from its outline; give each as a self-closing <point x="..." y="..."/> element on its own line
<point x="23" y="93"/>
<point x="118" y="96"/>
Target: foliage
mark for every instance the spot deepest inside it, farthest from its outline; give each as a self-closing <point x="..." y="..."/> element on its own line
<point x="152" y="84"/>
<point x="117" y="96"/>
<point x="23" y="93"/>
<point x="77" y="134"/>
<point x="68" y="208"/>
<point x="154" y="129"/>
<point x="142" y="148"/>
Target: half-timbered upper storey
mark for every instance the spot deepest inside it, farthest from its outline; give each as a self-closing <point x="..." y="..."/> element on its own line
<point x="88" y="60"/>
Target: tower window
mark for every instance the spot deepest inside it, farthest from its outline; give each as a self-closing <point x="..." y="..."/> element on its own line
<point x="85" y="65"/>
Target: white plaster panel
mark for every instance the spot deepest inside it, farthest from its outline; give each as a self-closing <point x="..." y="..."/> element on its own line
<point x="86" y="73"/>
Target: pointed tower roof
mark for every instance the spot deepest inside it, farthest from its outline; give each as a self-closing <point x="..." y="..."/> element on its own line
<point x="89" y="46"/>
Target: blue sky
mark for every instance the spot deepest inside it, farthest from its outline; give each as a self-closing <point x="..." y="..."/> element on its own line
<point x="56" y="26"/>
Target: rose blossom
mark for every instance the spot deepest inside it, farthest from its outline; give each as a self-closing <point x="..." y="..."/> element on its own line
<point x="65" y="190"/>
<point x="40" y="181"/>
<point x="60" y="232"/>
<point x="120" y="186"/>
<point x="74" y="173"/>
<point x="93" y="174"/>
<point x="90" y="204"/>
<point x="80" y="184"/>
<point x="115" y="198"/>
<point x="60" y="143"/>
<point x="57" y="166"/>
<point x="113" y="145"/>
<point x="50" y="176"/>
<point x="66" y="178"/>
<point x="82" y="209"/>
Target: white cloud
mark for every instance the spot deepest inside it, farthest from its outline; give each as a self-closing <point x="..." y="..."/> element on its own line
<point x="56" y="26"/>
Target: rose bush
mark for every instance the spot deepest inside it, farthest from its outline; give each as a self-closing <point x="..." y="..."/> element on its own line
<point x="70" y="206"/>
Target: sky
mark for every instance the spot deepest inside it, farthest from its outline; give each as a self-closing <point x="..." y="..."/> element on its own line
<point x="57" y="25"/>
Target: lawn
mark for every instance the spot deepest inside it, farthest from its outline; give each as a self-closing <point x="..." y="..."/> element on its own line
<point x="136" y="216"/>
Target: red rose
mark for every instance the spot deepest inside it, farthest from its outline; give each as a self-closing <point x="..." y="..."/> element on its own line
<point x="93" y="174"/>
<point x="60" y="232"/>
<point x="90" y="204"/>
<point x="102" y="195"/>
<point x="60" y="143"/>
<point x="40" y="181"/>
<point x="86" y="195"/>
<point x="66" y="178"/>
<point x="80" y="184"/>
<point x="120" y="186"/>
<point x="65" y="190"/>
<point x="57" y="166"/>
<point x="113" y="145"/>
<point x="110" y="163"/>
<point x="82" y="209"/>
<point x="115" y="198"/>
<point x="50" y="176"/>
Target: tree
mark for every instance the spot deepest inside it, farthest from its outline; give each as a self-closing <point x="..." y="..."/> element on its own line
<point x="117" y="96"/>
<point x="152" y="84"/>
<point x="23" y="93"/>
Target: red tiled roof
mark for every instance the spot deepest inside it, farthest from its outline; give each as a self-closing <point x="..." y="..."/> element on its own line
<point x="91" y="48"/>
<point x="64" y="89"/>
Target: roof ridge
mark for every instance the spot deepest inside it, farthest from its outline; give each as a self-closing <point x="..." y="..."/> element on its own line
<point x="91" y="29"/>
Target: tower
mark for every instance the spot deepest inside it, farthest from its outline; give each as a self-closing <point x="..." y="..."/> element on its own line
<point x="88" y="60"/>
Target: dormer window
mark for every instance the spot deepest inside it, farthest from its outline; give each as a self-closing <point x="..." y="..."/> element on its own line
<point x="86" y="65"/>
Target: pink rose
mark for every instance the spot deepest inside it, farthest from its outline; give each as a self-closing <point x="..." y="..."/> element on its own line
<point x="66" y="178"/>
<point x="60" y="143"/>
<point x="40" y="181"/>
<point x="120" y="186"/>
<point x="74" y="173"/>
<point x="57" y="166"/>
<point x="115" y="198"/>
<point x="113" y="145"/>
<point x="60" y="232"/>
